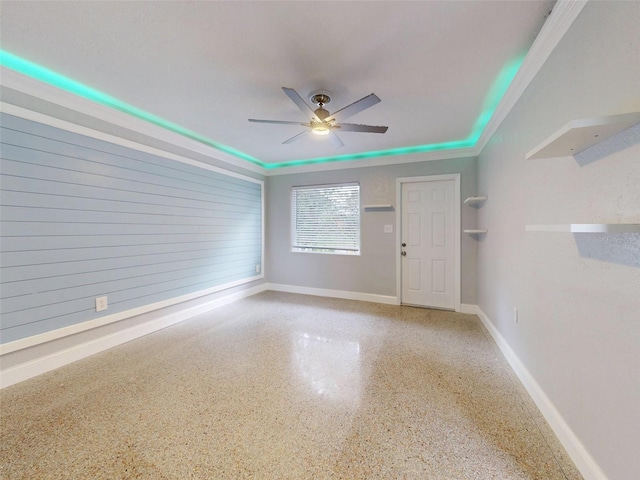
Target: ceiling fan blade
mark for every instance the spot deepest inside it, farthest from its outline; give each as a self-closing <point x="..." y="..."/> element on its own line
<point x="297" y="137"/>
<point x="302" y="105"/>
<point x="335" y="140"/>
<point x="280" y="122"/>
<point x="355" y="107"/>
<point x="353" y="127"/>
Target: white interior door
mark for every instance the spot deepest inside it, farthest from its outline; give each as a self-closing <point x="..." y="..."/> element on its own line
<point x="428" y="233"/>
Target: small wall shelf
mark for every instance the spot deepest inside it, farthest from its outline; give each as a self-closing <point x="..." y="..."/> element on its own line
<point x="586" y="228"/>
<point x="377" y="207"/>
<point x="474" y="200"/>
<point x="579" y="135"/>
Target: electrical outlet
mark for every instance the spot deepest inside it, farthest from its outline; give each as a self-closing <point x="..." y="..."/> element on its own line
<point x="257" y="268"/>
<point x="101" y="304"/>
<point x="515" y="315"/>
<point x="388" y="229"/>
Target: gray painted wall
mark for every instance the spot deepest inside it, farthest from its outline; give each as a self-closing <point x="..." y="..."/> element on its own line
<point x="578" y="298"/>
<point x="374" y="271"/>
<point x="83" y="218"/>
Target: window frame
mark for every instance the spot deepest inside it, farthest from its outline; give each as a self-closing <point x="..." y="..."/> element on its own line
<point x="326" y="250"/>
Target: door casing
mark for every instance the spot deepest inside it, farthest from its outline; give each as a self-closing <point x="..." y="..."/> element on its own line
<point x="457" y="269"/>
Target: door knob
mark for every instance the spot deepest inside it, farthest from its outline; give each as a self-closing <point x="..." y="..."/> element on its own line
<point x="404" y="244"/>
<point x="404" y="254"/>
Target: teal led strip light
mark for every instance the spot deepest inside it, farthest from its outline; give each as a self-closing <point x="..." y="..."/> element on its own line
<point x="45" y="75"/>
<point x="491" y="102"/>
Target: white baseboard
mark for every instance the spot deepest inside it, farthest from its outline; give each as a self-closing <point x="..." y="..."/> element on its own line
<point x="324" y="292"/>
<point x="46" y="363"/>
<point x="77" y="328"/>
<point x="50" y="361"/>
<point x="585" y="463"/>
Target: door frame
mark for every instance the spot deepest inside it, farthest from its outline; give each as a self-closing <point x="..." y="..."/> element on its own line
<point x="457" y="257"/>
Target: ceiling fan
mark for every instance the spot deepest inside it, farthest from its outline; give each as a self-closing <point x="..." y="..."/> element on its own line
<point x="324" y="123"/>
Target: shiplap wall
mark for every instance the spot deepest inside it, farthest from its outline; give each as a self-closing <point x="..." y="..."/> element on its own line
<point x="83" y="218"/>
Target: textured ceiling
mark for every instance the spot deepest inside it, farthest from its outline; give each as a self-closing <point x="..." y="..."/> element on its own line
<point x="439" y="67"/>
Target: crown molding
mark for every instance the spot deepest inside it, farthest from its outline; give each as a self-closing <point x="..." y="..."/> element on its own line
<point x="41" y="118"/>
<point x="560" y="20"/>
<point x="57" y="96"/>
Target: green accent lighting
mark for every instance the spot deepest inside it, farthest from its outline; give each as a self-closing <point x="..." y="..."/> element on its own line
<point x="491" y="102"/>
<point x="33" y="70"/>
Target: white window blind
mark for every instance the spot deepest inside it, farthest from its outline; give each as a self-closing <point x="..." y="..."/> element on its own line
<point x="326" y="219"/>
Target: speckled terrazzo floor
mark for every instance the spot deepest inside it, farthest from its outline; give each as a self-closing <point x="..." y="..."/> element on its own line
<point x="284" y="386"/>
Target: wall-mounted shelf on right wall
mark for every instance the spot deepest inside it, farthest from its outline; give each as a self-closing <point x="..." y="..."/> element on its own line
<point x="475" y="231"/>
<point x="586" y="228"/>
<point x="475" y="200"/>
<point x="579" y="135"/>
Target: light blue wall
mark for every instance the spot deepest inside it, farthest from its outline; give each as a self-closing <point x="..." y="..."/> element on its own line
<point x="82" y="218"/>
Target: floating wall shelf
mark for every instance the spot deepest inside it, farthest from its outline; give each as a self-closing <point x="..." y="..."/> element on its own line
<point x="377" y="207"/>
<point x="474" y="200"/>
<point x="579" y="135"/>
<point x="586" y="228"/>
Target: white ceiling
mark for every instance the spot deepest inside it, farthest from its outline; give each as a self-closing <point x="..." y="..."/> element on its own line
<point x="209" y="66"/>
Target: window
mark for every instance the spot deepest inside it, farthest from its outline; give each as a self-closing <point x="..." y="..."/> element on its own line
<point x="326" y="219"/>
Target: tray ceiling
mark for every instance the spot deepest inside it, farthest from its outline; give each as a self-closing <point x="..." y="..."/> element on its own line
<point x="439" y="67"/>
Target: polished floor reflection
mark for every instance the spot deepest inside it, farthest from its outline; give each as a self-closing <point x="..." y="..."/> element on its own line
<point x="329" y="366"/>
<point x="285" y="386"/>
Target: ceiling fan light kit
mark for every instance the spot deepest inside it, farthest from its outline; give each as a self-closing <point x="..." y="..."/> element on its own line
<point x="322" y="122"/>
<point x="320" y="129"/>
